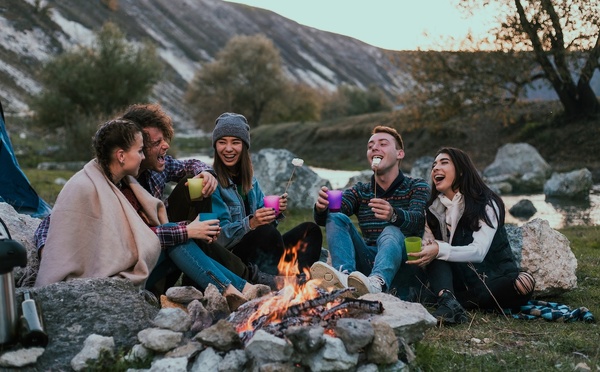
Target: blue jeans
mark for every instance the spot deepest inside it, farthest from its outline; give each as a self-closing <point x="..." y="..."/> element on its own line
<point x="194" y="263"/>
<point x="350" y="252"/>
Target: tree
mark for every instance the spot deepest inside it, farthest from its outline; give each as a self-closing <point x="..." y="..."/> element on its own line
<point x="92" y="82"/>
<point x="245" y="78"/>
<point x="350" y="100"/>
<point x="298" y="102"/>
<point x="444" y="82"/>
<point x="552" y="41"/>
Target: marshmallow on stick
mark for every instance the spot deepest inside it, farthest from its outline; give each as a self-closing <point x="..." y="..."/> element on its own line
<point x="374" y="164"/>
<point x="296" y="162"/>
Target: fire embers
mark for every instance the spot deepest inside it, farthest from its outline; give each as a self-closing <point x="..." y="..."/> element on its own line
<point x="276" y="313"/>
<point x="298" y="304"/>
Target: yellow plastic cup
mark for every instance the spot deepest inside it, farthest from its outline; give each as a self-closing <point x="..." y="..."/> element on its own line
<point x="195" y="188"/>
<point x="413" y="245"/>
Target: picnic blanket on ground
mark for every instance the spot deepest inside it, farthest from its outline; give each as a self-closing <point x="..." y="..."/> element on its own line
<point x="553" y="311"/>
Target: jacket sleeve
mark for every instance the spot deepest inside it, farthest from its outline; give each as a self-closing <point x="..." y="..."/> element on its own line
<point x="478" y="249"/>
<point x="234" y="225"/>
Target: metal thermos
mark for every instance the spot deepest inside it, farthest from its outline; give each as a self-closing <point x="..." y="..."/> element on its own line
<point x="12" y="254"/>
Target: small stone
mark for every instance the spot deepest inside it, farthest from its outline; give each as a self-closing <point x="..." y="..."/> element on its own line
<point x="20" y="358"/>
<point x="166" y="303"/>
<point x="184" y="295"/>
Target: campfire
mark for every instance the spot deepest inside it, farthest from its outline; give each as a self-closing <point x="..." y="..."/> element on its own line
<point x="299" y="304"/>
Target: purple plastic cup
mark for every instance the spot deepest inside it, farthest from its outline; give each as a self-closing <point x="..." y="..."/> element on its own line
<point x="335" y="200"/>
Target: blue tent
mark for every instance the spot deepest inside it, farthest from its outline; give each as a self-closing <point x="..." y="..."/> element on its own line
<point x="15" y="188"/>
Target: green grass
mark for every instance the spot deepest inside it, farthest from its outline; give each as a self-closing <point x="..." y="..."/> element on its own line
<point x="44" y="182"/>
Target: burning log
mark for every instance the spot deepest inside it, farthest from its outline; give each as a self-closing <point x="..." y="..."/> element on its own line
<point x="323" y="299"/>
<point x="277" y="313"/>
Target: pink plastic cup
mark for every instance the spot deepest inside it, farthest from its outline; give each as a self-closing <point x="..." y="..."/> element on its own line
<point x="272" y="201"/>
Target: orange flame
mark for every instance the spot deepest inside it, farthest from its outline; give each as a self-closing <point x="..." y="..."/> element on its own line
<point x="274" y="308"/>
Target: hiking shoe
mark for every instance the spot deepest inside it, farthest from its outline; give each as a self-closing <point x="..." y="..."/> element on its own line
<point x="364" y="284"/>
<point x="329" y="277"/>
<point x="449" y="310"/>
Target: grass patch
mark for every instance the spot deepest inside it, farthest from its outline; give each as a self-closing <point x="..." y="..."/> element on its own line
<point x="45" y="183"/>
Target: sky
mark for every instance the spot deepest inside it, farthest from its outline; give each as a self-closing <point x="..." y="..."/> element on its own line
<point x="388" y="24"/>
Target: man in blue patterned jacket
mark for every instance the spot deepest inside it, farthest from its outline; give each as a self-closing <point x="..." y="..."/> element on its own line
<point x="388" y="208"/>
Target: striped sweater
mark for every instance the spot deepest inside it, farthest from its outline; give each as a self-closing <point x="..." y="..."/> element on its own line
<point x="407" y="195"/>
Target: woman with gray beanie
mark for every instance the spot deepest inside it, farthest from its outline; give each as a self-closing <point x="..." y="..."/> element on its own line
<point x="249" y="229"/>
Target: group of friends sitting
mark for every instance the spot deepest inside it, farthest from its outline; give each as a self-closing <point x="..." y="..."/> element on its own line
<point x="114" y="219"/>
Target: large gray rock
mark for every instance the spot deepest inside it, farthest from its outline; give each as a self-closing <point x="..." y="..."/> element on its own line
<point x="421" y="168"/>
<point x="363" y="176"/>
<point x="546" y="254"/>
<point x="273" y="168"/>
<point x="519" y="164"/>
<point x="78" y="308"/>
<point x="575" y="184"/>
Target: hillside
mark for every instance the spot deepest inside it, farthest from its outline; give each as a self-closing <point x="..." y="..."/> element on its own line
<point x="341" y="144"/>
<point x="187" y="33"/>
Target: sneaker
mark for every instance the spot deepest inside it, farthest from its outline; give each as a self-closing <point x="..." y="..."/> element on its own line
<point x="449" y="310"/>
<point x="364" y="284"/>
<point x="330" y="278"/>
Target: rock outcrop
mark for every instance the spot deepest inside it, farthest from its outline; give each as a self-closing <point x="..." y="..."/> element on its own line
<point x="519" y="164"/>
<point x="273" y="169"/>
<point x="546" y="254"/>
<point x="574" y="184"/>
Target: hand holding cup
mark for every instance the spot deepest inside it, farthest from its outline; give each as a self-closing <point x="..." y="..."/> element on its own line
<point x="195" y="188"/>
<point x="413" y="245"/>
<point x="335" y="200"/>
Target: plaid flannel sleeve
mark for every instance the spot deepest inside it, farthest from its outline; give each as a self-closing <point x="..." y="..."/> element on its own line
<point x="175" y="169"/>
<point x="171" y="235"/>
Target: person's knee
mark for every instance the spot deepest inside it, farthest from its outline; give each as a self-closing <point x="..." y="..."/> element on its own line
<point x="391" y="235"/>
<point x="269" y="234"/>
<point x="524" y="283"/>
<point x="339" y="219"/>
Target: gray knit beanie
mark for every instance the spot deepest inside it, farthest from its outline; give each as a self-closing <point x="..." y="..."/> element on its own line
<point x="231" y="125"/>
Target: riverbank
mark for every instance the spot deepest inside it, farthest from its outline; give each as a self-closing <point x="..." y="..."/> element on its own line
<point x="341" y="143"/>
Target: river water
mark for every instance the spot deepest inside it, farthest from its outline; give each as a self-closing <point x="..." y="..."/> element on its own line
<point x="558" y="212"/>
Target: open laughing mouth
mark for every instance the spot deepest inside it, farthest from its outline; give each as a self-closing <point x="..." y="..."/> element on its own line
<point x="438" y="178"/>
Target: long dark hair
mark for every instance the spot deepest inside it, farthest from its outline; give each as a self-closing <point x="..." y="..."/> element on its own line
<point x="477" y="195"/>
<point x="243" y="169"/>
<point x="112" y="135"/>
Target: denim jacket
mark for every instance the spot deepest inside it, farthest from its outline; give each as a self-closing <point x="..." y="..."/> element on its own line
<point x="228" y="204"/>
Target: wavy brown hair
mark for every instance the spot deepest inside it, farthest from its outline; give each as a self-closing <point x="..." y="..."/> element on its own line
<point x="150" y="115"/>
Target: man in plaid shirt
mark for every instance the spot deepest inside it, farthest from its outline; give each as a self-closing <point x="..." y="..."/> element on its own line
<point x="156" y="170"/>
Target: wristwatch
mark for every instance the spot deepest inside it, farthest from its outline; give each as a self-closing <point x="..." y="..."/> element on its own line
<point x="394" y="216"/>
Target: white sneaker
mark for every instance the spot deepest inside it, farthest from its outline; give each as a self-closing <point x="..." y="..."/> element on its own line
<point x="364" y="284"/>
<point x="329" y="277"/>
